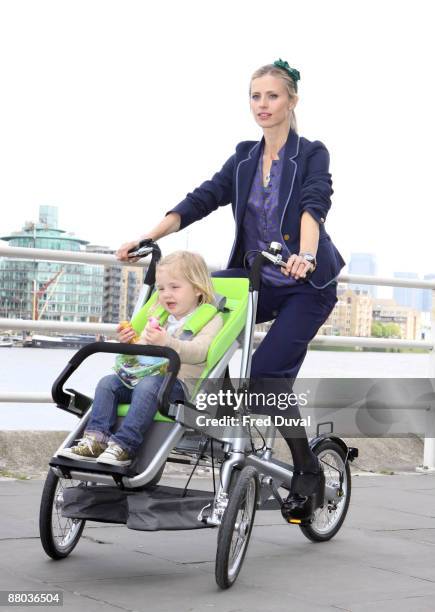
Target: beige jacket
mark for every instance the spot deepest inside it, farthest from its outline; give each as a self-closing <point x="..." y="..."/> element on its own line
<point x="193" y="353"/>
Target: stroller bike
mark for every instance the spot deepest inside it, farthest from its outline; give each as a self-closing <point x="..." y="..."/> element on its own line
<point x="77" y="491"/>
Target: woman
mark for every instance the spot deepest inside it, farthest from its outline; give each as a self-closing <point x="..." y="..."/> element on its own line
<point x="280" y="190"/>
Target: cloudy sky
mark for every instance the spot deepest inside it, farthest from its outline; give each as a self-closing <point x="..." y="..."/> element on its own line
<point x="113" y="111"/>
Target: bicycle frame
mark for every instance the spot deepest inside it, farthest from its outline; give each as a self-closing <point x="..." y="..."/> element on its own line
<point x="236" y="447"/>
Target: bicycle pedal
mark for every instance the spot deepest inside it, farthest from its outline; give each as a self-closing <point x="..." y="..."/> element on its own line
<point x="291" y="521"/>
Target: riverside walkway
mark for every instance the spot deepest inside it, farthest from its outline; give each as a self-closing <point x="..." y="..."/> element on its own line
<point x="382" y="559"/>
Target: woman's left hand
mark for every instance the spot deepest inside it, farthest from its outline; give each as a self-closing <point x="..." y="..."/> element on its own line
<point x="297" y="267"/>
<point x="151" y="335"/>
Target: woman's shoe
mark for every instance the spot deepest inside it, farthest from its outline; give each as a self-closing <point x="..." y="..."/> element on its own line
<point x="307" y="493"/>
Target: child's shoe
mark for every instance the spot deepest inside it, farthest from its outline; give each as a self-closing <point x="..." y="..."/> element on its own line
<point x="87" y="449"/>
<point x="115" y="455"/>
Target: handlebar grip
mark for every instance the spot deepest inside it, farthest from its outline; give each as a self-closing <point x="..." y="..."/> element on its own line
<point x="257" y="264"/>
<point x="143" y="243"/>
<point x="300" y="281"/>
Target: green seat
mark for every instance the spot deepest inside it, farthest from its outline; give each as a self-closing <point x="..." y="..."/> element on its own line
<point x="236" y="292"/>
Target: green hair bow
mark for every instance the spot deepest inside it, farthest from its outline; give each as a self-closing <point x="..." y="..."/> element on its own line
<point x="295" y="74"/>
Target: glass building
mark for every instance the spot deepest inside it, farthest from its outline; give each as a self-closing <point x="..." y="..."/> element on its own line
<point x="408" y="296"/>
<point x="49" y="290"/>
<point x="426" y="299"/>
<point x="364" y="264"/>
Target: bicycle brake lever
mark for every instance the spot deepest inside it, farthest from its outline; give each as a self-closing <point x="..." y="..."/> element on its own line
<point x="277" y="260"/>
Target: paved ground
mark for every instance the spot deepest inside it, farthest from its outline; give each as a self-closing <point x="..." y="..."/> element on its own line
<point x="382" y="559"/>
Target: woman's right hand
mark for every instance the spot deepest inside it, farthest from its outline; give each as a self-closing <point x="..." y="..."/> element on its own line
<point x="170" y="223"/>
<point x="125" y="333"/>
<point x="122" y="252"/>
<point x="297" y="267"/>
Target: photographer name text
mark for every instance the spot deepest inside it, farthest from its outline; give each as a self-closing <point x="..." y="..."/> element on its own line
<point x="253" y="420"/>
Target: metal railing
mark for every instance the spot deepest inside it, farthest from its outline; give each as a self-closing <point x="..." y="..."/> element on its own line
<point x="320" y="340"/>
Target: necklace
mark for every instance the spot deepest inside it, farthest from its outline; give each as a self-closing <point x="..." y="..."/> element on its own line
<point x="266" y="179"/>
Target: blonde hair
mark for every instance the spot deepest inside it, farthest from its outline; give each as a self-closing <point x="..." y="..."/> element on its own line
<point x="194" y="269"/>
<point x="288" y="81"/>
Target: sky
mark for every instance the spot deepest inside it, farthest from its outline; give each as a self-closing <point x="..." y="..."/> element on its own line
<point x="113" y="111"/>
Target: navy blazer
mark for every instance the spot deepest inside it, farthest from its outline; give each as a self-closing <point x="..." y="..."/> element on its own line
<point x="305" y="186"/>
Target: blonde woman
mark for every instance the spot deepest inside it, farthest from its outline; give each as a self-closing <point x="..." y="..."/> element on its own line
<point x="280" y="189"/>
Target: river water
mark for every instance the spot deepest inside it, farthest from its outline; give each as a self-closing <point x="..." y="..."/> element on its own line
<point x="30" y="369"/>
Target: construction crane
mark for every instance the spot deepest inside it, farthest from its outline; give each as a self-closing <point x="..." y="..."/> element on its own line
<point x="37" y="295"/>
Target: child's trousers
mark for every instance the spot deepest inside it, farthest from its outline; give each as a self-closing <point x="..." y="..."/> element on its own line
<point x="110" y="392"/>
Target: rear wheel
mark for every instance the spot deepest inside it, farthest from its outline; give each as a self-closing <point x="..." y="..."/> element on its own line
<point x="59" y="535"/>
<point x="330" y="517"/>
<point x="235" y="529"/>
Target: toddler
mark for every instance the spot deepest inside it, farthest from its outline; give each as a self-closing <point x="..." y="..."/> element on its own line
<point x="183" y="284"/>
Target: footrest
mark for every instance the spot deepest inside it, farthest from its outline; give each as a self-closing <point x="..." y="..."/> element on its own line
<point x="66" y="465"/>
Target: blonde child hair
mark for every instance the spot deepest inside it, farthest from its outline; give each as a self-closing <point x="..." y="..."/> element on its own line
<point x="194" y="269"/>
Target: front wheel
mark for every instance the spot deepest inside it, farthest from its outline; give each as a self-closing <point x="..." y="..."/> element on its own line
<point x="235" y="529"/>
<point x="59" y="535"/>
<point x="329" y="518"/>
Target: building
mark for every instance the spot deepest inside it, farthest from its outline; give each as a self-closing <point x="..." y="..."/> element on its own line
<point x="132" y="278"/>
<point x="408" y="296"/>
<point x="122" y="285"/>
<point x="352" y="315"/>
<point x="112" y="294"/>
<point x="364" y="264"/>
<point x="49" y="290"/>
<point x="426" y="298"/>
<point x="409" y="319"/>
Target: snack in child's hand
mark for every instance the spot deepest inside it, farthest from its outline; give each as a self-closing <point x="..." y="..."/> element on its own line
<point x="125" y="324"/>
<point x="154" y="323"/>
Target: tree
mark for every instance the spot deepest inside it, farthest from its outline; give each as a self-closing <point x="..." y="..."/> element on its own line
<point x="386" y="330"/>
<point x="377" y="329"/>
<point x="392" y="330"/>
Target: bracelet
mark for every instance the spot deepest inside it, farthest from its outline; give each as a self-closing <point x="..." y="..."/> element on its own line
<point x="310" y="258"/>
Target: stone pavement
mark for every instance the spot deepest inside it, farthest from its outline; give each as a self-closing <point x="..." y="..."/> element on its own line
<point x="383" y="558"/>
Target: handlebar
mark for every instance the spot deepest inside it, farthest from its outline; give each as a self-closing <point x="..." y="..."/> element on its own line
<point x="277" y="260"/>
<point x="144" y="248"/>
<point x="273" y="255"/>
<point x="63" y="399"/>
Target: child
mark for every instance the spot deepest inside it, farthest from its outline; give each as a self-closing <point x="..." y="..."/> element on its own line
<point x="183" y="284"/>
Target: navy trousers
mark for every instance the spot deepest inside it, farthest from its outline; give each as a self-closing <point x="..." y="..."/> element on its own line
<point x="298" y="311"/>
